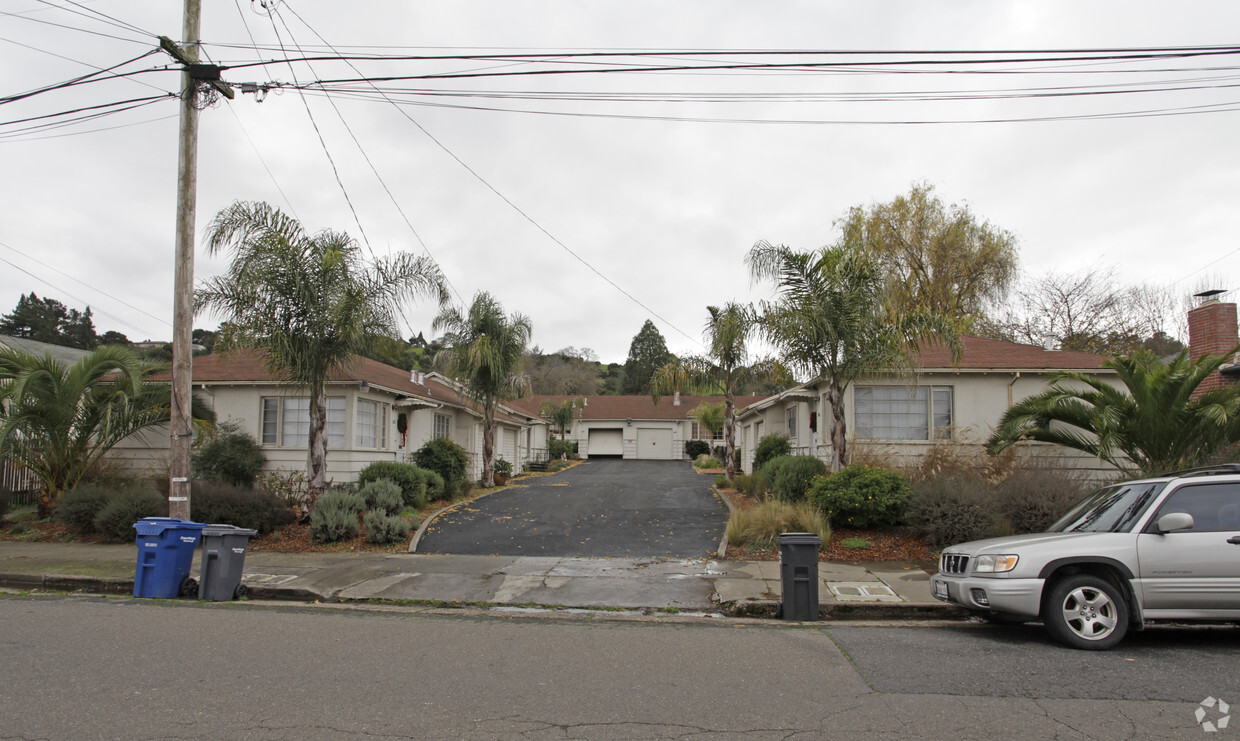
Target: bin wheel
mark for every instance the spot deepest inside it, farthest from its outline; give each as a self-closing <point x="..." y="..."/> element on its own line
<point x="189" y="587"/>
<point x="240" y="591"/>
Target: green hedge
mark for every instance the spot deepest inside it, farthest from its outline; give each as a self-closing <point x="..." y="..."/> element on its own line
<point x="789" y="477"/>
<point x="862" y="496"/>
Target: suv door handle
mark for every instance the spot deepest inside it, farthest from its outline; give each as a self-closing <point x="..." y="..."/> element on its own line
<point x="1234" y="540"/>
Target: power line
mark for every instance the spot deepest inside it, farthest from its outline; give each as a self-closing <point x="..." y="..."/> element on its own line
<point x="144" y="42"/>
<point x="75" y="298"/>
<point x="83" y="79"/>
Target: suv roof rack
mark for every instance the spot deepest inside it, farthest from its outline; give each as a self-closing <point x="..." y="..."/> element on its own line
<point x="1215" y="470"/>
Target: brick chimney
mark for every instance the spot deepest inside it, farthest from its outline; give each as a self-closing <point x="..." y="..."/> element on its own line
<point x="1212" y="330"/>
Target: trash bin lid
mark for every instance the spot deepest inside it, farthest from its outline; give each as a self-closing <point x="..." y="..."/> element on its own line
<point x="799" y="539"/>
<point x="220" y="529"/>
<point x="157" y="525"/>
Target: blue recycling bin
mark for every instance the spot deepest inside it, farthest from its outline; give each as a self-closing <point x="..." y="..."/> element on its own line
<point x="165" y="554"/>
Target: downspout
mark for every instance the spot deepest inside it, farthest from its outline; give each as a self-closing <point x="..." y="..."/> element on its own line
<point x="1015" y="378"/>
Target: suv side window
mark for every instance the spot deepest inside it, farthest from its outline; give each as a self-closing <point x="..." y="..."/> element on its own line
<point x="1214" y="507"/>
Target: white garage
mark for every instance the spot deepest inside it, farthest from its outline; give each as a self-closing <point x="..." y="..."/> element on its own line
<point x="654" y="443"/>
<point x="604" y="442"/>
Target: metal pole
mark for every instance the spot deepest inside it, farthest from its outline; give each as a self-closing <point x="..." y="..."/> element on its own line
<point x="183" y="286"/>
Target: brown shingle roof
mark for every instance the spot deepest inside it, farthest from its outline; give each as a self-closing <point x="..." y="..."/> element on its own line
<point x="636" y="407"/>
<point x="985" y="354"/>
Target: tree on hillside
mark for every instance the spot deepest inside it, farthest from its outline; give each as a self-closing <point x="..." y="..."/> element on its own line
<point x="937" y="259"/>
<point x="724" y="367"/>
<point x="48" y="320"/>
<point x="484" y="352"/>
<point x="567" y="371"/>
<point x="60" y="420"/>
<point x="829" y="321"/>
<point x="308" y="302"/>
<point x="1151" y="426"/>
<point x="647" y="353"/>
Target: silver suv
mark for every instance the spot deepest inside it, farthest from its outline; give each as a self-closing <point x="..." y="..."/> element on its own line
<point x="1163" y="548"/>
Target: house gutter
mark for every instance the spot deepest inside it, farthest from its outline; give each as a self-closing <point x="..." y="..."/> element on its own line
<point x="1015" y="378"/>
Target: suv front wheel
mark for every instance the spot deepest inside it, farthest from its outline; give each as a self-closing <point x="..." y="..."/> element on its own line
<point x="1086" y="612"/>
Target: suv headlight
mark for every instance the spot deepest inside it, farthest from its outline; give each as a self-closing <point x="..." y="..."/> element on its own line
<point x="994" y="564"/>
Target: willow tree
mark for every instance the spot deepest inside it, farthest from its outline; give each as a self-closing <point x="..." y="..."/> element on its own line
<point x="307" y="302"/>
<point x="829" y="320"/>
<point x="484" y="349"/>
<point x="59" y="419"/>
<point x="725" y="367"/>
<point x="1154" y="424"/>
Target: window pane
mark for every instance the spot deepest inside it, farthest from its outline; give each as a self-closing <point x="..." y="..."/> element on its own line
<point x="367" y="423"/>
<point x="295" y="422"/>
<point x="270" y="421"/>
<point x="1214" y="507"/>
<point x="943" y="412"/>
<point x="441" y="426"/>
<point x="383" y="426"/>
<point x="335" y="422"/>
<point x="791" y="415"/>
<point x="892" y="412"/>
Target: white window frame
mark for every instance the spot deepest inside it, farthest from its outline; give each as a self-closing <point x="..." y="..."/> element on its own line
<point x="442" y="430"/>
<point x="370" y="424"/>
<point x="281" y="422"/>
<point x="887" y="412"/>
<point x="790" y="415"/>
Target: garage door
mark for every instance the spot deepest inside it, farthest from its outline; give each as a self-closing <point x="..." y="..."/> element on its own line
<point x="605" y="442"/>
<point x="654" y="443"/>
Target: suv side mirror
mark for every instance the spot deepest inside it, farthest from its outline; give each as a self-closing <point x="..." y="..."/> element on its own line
<point x="1173" y="521"/>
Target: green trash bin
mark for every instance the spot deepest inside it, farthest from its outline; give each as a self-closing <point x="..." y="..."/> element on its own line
<point x="223" y="559"/>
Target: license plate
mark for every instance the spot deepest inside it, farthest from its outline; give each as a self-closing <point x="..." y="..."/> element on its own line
<point x="940" y="589"/>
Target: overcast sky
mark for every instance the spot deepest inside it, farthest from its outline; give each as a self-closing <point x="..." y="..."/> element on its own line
<point x="662" y="193"/>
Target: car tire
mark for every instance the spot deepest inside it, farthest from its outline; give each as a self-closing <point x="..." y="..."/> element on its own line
<point x="1086" y="612"/>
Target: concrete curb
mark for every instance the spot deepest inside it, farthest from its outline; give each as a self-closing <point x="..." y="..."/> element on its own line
<point x="417" y="537"/>
<point x="723" y="542"/>
<point x="67" y="583"/>
<point x="850" y="610"/>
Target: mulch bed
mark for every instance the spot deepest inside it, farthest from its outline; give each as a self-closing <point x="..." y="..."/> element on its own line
<point x="902" y="544"/>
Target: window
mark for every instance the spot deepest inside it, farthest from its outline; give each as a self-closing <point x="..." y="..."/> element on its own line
<point x="791" y="415"/>
<point x="903" y="412"/>
<point x="442" y="428"/>
<point x="371" y="424"/>
<point x="1214" y="507"/>
<point x="701" y="433"/>
<point x="288" y="419"/>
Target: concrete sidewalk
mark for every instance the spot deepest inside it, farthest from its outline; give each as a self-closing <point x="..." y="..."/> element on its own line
<point x="730" y="587"/>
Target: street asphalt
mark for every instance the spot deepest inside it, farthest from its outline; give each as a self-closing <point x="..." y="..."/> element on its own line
<point x="599" y="509"/>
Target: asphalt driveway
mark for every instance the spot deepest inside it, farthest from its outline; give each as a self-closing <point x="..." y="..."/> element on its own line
<point x="599" y="509"/>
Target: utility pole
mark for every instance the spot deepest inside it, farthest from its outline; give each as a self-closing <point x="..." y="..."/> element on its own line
<point x="181" y="425"/>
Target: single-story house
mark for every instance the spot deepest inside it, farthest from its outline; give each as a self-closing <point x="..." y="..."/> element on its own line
<point x="635" y="427"/>
<point x="375" y="412"/>
<point x="899" y="418"/>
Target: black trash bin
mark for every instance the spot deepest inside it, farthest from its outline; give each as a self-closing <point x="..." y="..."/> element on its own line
<point x="798" y="570"/>
<point x="223" y="558"/>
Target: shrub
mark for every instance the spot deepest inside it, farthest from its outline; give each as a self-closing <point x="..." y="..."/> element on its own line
<point x="385" y="529"/>
<point x="952" y="509"/>
<point x="446" y="458"/>
<point x="769" y="447"/>
<point x="228" y="504"/>
<point x="331" y="525"/>
<point x="79" y="506"/>
<point x="435" y="488"/>
<point x="749" y="485"/>
<point x="760" y="526"/>
<point x="344" y="499"/>
<point x="230" y="455"/>
<point x="502" y="468"/>
<point x="721" y="482"/>
<point x="862" y="496"/>
<point x="789" y="477"/>
<point x="561" y="448"/>
<point x="115" y="521"/>
<point x="382" y="496"/>
<point x="288" y="486"/>
<point x="1033" y="498"/>
<point x="409" y="479"/>
<point x="695" y="448"/>
<point x="706" y="461"/>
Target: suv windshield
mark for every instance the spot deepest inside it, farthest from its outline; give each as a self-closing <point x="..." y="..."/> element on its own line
<point x="1114" y="509"/>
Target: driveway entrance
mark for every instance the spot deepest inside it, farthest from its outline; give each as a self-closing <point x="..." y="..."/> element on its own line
<point x="598" y="509"/>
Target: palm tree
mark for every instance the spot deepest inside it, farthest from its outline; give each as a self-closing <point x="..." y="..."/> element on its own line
<point x="829" y="322"/>
<point x="484" y="352"/>
<point x="1155" y="424"/>
<point x="308" y="302"/>
<point x="60" y="420"/>
<point x="562" y="414"/>
<point x="724" y="367"/>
